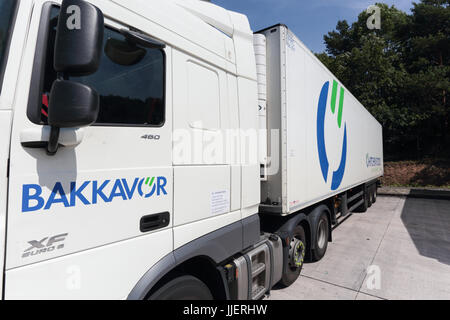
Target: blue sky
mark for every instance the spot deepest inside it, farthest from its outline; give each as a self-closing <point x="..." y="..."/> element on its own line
<point x="309" y="19"/>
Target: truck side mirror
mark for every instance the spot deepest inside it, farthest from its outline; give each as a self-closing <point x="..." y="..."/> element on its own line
<point x="74" y="105"/>
<point x="78" y="49"/>
<point x="79" y="38"/>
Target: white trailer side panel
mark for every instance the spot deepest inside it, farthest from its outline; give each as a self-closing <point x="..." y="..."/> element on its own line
<point x="329" y="142"/>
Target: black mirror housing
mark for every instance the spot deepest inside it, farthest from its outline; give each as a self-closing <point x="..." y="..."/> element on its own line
<point x="79" y="38"/>
<point x="72" y="105"/>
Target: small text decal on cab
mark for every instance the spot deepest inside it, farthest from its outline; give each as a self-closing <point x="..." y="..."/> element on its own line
<point x="45" y="245"/>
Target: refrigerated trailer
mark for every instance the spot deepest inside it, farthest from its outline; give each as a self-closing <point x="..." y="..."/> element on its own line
<point x="328" y="139"/>
<point x="162" y="150"/>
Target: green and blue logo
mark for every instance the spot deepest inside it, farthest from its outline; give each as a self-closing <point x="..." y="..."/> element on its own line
<point x="338" y="175"/>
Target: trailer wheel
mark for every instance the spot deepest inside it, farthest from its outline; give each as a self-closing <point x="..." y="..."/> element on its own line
<point x="183" y="288"/>
<point x="297" y="252"/>
<point x="369" y="197"/>
<point x="322" y="233"/>
<point x="375" y="194"/>
<point x="363" y="208"/>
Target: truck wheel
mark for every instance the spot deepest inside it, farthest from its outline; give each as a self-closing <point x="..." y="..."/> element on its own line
<point x="365" y="205"/>
<point x="322" y="233"/>
<point x="183" y="288"/>
<point x="369" y="197"/>
<point x="374" y="195"/>
<point x="297" y="251"/>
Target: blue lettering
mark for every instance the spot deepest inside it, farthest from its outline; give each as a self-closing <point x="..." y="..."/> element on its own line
<point x="32" y="199"/>
<point x="57" y="189"/>
<point x="27" y="197"/>
<point x="114" y="193"/>
<point x="129" y="192"/>
<point x="151" y="191"/>
<point x="99" y="191"/>
<point x="77" y="193"/>
<point x="162" y="181"/>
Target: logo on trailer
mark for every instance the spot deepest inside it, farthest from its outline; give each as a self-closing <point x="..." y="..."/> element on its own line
<point x="91" y="192"/>
<point x="372" y="161"/>
<point x="338" y="175"/>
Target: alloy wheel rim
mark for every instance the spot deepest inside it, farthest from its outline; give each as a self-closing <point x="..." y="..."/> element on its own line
<point x="321" y="235"/>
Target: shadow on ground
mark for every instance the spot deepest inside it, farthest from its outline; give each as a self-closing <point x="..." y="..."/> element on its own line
<point x="428" y="225"/>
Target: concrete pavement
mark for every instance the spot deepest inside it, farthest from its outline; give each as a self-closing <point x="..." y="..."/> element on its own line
<point x="398" y="249"/>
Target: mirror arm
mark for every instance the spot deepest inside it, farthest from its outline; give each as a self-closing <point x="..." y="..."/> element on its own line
<point x="142" y="39"/>
<point x="61" y="76"/>
<point x="52" y="146"/>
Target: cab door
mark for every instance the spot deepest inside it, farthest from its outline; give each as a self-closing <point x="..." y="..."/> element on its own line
<point x="90" y="220"/>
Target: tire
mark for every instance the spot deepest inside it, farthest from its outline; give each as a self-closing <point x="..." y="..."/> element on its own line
<point x="321" y="238"/>
<point x="183" y="288"/>
<point x="295" y="263"/>
<point x="369" y="197"/>
<point x="363" y="208"/>
<point x="374" y="195"/>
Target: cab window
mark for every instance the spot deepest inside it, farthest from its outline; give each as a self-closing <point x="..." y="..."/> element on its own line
<point x="130" y="81"/>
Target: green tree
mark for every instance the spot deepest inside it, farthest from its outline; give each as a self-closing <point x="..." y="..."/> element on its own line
<point x="426" y="54"/>
<point x="400" y="73"/>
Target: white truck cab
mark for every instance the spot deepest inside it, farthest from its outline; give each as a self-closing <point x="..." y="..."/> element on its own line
<point x="112" y="185"/>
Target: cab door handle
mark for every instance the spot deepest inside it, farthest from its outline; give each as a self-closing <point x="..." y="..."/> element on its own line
<point x="154" y="221"/>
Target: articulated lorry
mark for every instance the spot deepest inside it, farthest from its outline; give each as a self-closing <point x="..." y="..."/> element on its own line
<point x="163" y="150"/>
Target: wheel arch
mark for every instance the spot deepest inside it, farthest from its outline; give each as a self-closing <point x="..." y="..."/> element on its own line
<point x="286" y="231"/>
<point x="201" y="257"/>
<point x="201" y="267"/>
